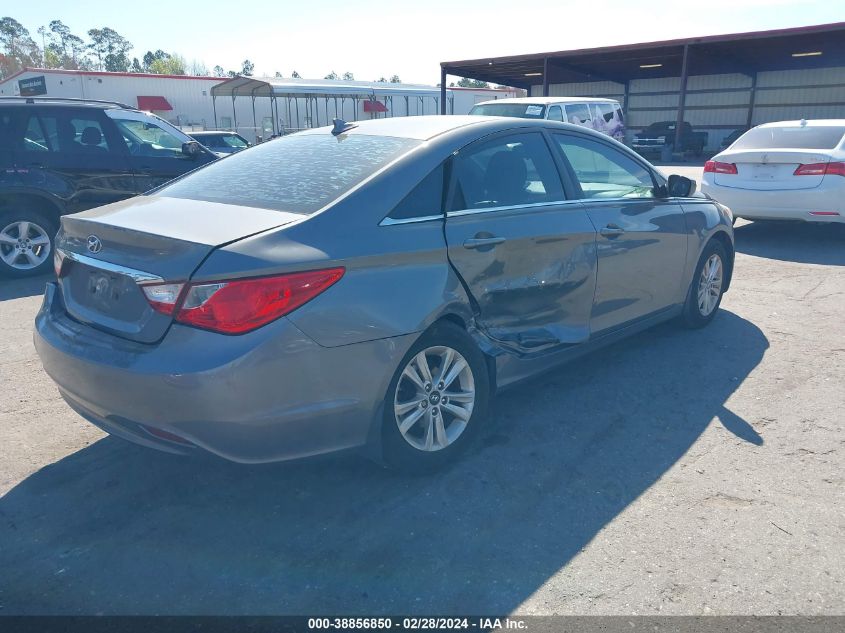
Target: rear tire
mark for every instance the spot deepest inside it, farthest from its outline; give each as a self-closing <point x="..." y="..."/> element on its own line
<point x="27" y="243"/>
<point x="436" y="402"/>
<point x="707" y="286"/>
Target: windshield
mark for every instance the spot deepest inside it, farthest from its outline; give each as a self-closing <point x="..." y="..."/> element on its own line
<point x="521" y="110"/>
<point x="793" y="137"/>
<point x="300" y="173"/>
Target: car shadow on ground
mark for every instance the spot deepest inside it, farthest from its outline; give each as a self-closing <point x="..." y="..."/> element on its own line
<point x="27" y="287"/>
<point x="804" y="242"/>
<point x="115" y="528"/>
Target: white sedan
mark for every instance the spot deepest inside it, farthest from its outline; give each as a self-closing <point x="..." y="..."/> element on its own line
<point x="791" y="170"/>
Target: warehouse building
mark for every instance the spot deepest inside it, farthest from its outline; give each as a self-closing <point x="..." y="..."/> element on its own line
<point x="718" y="84"/>
<point x="255" y="107"/>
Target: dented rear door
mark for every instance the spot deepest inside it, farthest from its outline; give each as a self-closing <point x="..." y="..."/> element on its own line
<point x="526" y="255"/>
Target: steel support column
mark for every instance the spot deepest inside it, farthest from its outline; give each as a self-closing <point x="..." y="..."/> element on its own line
<point x="752" y="98"/>
<point x="442" y="90"/>
<point x="214" y="107"/>
<point x="682" y="98"/>
<point x="545" y="78"/>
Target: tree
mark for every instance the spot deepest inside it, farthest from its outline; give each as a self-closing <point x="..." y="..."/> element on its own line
<point x="331" y="75"/>
<point x="198" y="69"/>
<point x="278" y="75"/>
<point x="110" y="49"/>
<point x="381" y="80"/>
<point x="136" y="66"/>
<point x="247" y="67"/>
<point x="296" y="75"/>
<point x="394" y="79"/>
<point x="168" y="64"/>
<point x="20" y="50"/>
<point x="348" y="76"/>
<point x="231" y="73"/>
<point x="472" y="83"/>
<point x="218" y="71"/>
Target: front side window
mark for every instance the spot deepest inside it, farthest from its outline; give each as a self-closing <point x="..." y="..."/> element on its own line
<point x="511" y="170"/>
<point x="605" y="172"/>
<point x="34" y="137"/>
<point x="300" y="173"/>
<point x="233" y="140"/>
<point x="146" y="138"/>
<point x="578" y="113"/>
<point x="606" y="111"/>
<point x="555" y="113"/>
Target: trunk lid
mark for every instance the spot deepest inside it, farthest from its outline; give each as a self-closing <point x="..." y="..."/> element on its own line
<point x="141" y="240"/>
<point x="769" y="170"/>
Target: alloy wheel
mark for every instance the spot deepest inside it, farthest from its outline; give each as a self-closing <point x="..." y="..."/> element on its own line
<point x="710" y="285"/>
<point x="434" y="398"/>
<point x="24" y="245"/>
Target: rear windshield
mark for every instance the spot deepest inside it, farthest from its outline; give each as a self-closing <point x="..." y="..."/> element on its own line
<point x="521" y="110"/>
<point x="300" y="173"/>
<point x="798" y="137"/>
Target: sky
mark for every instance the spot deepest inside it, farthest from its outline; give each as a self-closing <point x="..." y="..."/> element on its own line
<point x="372" y="39"/>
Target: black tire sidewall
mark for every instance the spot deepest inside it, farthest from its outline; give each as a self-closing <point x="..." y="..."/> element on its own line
<point x="692" y="315"/>
<point x="397" y="453"/>
<point x="49" y="226"/>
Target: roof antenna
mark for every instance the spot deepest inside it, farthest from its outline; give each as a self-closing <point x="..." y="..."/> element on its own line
<point x="341" y="126"/>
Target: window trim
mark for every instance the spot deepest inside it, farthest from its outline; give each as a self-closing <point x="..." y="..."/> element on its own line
<point x="513" y="207"/>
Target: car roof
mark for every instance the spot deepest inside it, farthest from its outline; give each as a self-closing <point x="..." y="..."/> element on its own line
<point x="427" y="127"/>
<point x="549" y="100"/>
<point x="65" y="102"/>
<point x="806" y="122"/>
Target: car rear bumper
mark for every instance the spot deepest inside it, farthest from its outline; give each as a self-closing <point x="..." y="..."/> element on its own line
<point x="811" y="205"/>
<point x="269" y="395"/>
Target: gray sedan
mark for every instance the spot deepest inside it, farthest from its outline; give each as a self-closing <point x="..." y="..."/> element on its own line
<point x="369" y="286"/>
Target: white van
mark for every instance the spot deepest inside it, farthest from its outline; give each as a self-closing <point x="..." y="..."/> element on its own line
<point x="602" y="115"/>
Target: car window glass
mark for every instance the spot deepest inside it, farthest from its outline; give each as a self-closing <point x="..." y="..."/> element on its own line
<point x="605" y="172"/>
<point x="73" y="133"/>
<point x="510" y="170"/>
<point x="577" y="113"/>
<point x="555" y="113"/>
<point x="211" y="140"/>
<point x="34" y="137"/>
<point x="299" y="173"/>
<point x="145" y="138"/>
<point x="619" y="115"/>
<point x="606" y="111"/>
<point x="794" y="137"/>
<point x="233" y="140"/>
<point x="424" y="200"/>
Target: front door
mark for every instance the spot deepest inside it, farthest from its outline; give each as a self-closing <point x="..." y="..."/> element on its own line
<point x="525" y="253"/>
<point x="642" y="239"/>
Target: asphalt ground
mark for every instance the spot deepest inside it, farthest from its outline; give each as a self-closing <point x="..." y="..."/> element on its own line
<point x="677" y="472"/>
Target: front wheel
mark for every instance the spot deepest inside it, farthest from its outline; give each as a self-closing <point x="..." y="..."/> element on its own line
<point x="435" y="402"/>
<point x="26" y="243"/>
<point x="706" y="289"/>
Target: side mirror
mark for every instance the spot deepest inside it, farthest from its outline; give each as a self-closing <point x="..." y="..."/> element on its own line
<point x="192" y="149"/>
<point x="680" y="187"/>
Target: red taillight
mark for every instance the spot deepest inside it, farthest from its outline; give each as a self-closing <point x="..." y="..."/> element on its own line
<point x="240" y="305"/>
<point x="715" y="167"/>
<point x="821" y="169"/>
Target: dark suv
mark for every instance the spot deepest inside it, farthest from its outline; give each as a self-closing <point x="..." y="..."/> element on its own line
<point x="60" y="156"/>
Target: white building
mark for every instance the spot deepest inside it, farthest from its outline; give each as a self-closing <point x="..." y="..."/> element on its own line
<point x="255" y="107"/>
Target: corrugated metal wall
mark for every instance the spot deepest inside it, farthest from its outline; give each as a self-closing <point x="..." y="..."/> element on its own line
<point x="718" y="104"/>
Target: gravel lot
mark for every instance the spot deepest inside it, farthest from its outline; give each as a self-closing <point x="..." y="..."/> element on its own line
<point x="677" y="472"/>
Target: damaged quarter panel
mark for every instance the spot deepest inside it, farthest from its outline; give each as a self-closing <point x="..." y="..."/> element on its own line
<point x="706" y="218"/>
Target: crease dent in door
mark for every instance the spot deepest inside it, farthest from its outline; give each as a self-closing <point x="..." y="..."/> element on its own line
<point x="533" y="310"/>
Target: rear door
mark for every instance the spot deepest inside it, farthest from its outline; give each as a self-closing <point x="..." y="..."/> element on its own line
<point x="525" y="253"/>
<point x="74" y="154"/>
<point x="642" y="241"/>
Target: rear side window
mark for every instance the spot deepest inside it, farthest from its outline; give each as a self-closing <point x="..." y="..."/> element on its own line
<point x="605" y="172"/>
<point x="606" y="111"/>
<point x="426" y="199"/>
<point x="796" y="137"/>
<point x="578" y="113"/>
<point x="510" y="170"/>
<point x="555" y="113"/>
<point x="300" y="173"/>
<point x="72" y="132"/>
<point x="34" y="137"/>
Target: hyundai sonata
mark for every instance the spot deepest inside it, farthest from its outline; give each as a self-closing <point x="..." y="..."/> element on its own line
<point x="369" y="285"/>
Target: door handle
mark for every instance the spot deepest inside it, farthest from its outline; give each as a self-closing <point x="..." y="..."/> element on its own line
<point x="481" y="242"/>
<point x="611" y="230"/>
